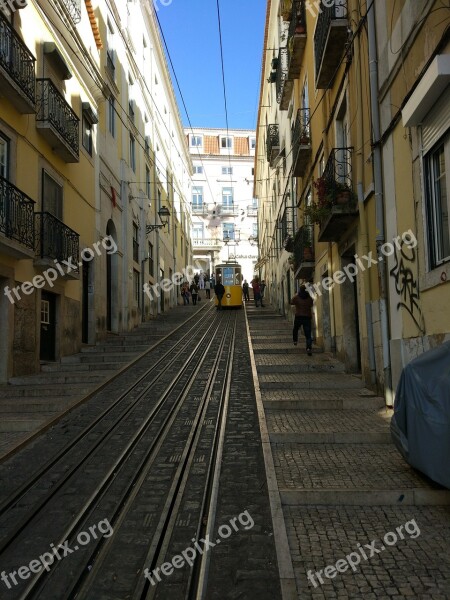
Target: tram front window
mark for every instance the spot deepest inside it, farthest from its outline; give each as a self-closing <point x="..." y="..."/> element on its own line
<point x="228" y="276"/>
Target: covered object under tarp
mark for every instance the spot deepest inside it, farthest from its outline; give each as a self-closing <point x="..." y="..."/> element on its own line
<point x="420" y="426"/>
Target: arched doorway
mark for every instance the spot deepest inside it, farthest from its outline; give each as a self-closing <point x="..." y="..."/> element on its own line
<point x="112" y="283"/>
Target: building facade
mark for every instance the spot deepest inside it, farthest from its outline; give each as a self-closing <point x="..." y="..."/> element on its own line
<point x="91" y="148"/>
<point x="224" y="212"/>
<point x="333" y="201"/>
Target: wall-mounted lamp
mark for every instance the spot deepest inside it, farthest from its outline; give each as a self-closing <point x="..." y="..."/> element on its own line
<point x="163" y="213"/>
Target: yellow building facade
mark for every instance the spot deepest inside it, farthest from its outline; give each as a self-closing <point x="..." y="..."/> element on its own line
<point x="323" y="173"/>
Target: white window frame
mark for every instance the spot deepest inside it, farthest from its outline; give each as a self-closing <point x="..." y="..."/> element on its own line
<point x="230" y="228"/>
<point x="197" y="194"/>
<point x="227" y="170"/>
<point x="198" y="170"/>
<point x="228" y="142"/>
<point x="196" y="141"/>
<point x="4" y="156"/>
<point x="226" y="202"/>
<point x="435" y="225"/>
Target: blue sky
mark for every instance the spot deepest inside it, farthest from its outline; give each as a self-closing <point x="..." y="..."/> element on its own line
<point x="192" y="35"/>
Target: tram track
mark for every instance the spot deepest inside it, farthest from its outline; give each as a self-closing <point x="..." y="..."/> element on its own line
<point x="198" y="356"/>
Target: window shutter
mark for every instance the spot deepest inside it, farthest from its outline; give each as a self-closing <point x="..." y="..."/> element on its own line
<point x="437" y="123"/>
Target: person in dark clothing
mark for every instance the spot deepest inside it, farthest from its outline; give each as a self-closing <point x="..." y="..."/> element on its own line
<point x="194" y="292"/>
<point x="219" y="290"/>
<point x="245" y="291"/>
<point x="303" y="317"/>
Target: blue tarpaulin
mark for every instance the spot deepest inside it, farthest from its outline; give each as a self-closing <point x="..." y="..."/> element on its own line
<point x="420" y="426"/>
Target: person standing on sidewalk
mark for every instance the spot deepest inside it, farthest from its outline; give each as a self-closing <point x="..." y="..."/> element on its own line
<point x="262" y="288"/>
<point x="245" y="291"/>
<point x="219" y="290"/>
<point x="194" y="292"/>
<point x="208" y="289"/>
<point x="303" y="317"/>
<point x="256" y="292"/>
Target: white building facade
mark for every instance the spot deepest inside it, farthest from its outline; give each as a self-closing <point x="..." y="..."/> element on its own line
<point x="224" y="212"/>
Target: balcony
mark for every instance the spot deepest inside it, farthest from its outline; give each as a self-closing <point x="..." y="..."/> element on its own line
<point x="273" y="144"/>
<point x="56" y="241"/>
<point x="284" y="85"/>
<point x="17" y="78"/>
<point x="73" y="7"/>
<point x="304" y="260"/>
<point x="252" y="211"/>
<point x="329" y="41"/>
<point x="229" y="210"/>
<point x="301" y="143"/>
<point x="199" y="210"/>
<point x="208" y="243"/>
<point x="337" y="178"/>
<point x="16" y="221"/>
<point x="57" y="122"/>
<point x="296" y="38"/>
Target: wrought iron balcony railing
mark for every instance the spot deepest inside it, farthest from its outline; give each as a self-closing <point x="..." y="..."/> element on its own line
<point x="199" y="209"/>
<point x="338" y="170"/>
<point x="73" y="7"/>
<point x="18" y="63"/>
<point x="16" y="214"/>
<point x="304" y="252"/>
<point x="252" y="211"/>
<point x="55" y="240"/>
<point x="273" y="143"/>
<point x="301" y="142"/>
<point x="56" y="114"/>
<point x="297" y="24"/>
<point x="282" y="72"/>
<point x="329" y="40"/>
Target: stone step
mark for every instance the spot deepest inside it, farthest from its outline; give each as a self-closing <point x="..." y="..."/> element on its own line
<point x="309" y="381"/>
<point x="301" y="367"/>
<point x="22" y="423"/>
<point x="341" y="497"/>
<point x="100" y="357"/>
<point x="324" y="403"/>
<point x="79" y="367"/>
<point x="340" y="437"/>
<point x="128" y="348"/>
<point x="281" y="348"/>
<point x="15" y="391"/>
<point x="25" y="405"/>
<point x="61" y="378"/>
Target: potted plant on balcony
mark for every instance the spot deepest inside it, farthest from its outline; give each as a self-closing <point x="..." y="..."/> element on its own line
<point x="307" y="245"/>
<point x="288" y="243"/>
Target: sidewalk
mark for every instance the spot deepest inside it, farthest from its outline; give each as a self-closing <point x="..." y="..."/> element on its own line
<point x="33" y="403"/>
<point x="341" y="482"/>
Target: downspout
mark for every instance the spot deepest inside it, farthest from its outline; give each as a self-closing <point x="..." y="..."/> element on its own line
<point x="362" y="215"/>
<point x="379" y="201"/>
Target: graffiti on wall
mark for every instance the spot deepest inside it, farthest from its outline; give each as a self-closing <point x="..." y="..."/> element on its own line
<point x="407" y="285"/>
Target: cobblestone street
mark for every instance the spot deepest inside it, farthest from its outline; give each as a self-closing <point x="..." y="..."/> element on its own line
<point x="341" y="482"/>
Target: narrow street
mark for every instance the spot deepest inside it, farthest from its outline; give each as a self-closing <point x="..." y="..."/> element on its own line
<point x="283" y="479"/>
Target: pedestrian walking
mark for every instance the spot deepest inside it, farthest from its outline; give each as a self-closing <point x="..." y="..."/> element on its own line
<point x="194" y="292"/>
<point x="245" y="291"/>
<point x="257" y="292"/>
<point x="219" y="290"/>
<point x="303" y="317"/>
<point x="184" y="294"/>
<point x="202" y="282"/>
<point x="208" y="289"/>
<point x="263" y="289"/>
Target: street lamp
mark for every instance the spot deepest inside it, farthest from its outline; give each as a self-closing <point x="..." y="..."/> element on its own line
<point x="163" y="213"/>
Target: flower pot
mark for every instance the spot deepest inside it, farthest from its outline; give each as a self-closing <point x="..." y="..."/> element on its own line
<point x="343" y="198"/>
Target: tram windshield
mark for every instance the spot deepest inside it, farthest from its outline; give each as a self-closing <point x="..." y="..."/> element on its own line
<point x="228" y="276"/>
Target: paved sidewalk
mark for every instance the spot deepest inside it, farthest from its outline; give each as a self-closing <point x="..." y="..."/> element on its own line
<point x="341" y="482"/>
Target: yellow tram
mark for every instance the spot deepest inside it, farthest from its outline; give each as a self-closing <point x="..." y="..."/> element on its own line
<point x="230" y="274"/>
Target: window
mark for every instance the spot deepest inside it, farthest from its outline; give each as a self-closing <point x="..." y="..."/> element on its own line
<point x="228" y="231"/>
<point x="131" y="110"/>
<point x="226" y="142"/>
<point x="252" y="143"/>
<point x="147" y="145"/>
<point x="151" y="263"/>
<point x="45" y="312"/>
<point x="196" y="141"/>
<point x="255" y="229"/>
<point x="437" y="170"/>
<point x="4" y="156"/>
<point x="227" y="170"/>
<point x="110" y="51"/>
<point x="197" y="199"/>
<point x="112" y="116"/>
<point x="253" y="171"/>
<point x="137" y="287"/>
<point x="87" y="134"/>
<point x="227" y="197"/>
<point x="198" y="169"/>
<point x="135" y="243"/>
<point x="147" y="182"/>
<point x="132" y="153"/>
<point x="52" y="196"/>
<point x="197" y="231"/>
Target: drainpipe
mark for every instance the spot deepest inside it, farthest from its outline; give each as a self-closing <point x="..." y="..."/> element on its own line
<point x="362" y="215"/>
<point x="379" y="201"/>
